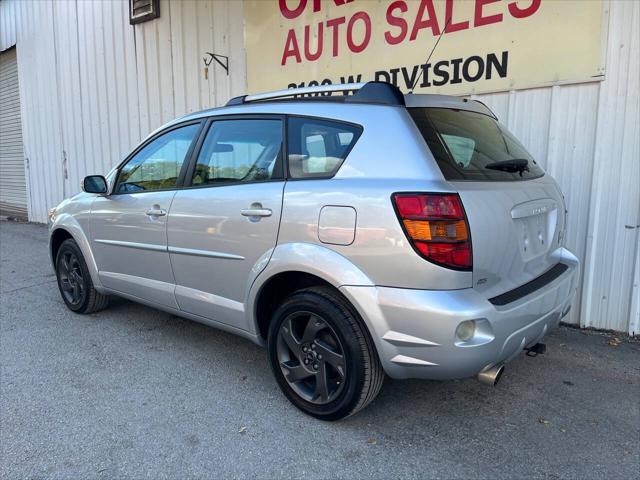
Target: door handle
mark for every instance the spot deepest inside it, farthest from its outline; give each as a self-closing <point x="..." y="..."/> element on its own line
<point x="156" y="212"/>
<point x="256" y="211"/>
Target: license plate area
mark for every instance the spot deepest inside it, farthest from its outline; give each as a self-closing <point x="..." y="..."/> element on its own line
<point x="535" y="223"/>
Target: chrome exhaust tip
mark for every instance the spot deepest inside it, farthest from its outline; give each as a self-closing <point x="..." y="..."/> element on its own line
<point x="491" y="376"/>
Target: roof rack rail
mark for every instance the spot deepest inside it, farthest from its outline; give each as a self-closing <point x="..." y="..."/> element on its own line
<point x="369" y="92"/>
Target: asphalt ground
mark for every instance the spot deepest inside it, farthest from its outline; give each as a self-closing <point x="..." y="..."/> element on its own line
<point x="132" y="392"/>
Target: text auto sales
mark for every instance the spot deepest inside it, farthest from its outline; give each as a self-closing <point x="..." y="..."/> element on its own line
<point x="405" y="22"/>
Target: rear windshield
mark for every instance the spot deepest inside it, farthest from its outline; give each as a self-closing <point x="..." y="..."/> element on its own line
<point x="473" y="146"/>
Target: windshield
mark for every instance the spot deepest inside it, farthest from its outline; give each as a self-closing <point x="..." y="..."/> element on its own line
<point x="473" y="146"/>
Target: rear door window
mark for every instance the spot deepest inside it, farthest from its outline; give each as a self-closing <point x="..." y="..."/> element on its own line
<point x="317" y="147"/>
<point x="473" y="146"/>
<point x="242" y="150"/>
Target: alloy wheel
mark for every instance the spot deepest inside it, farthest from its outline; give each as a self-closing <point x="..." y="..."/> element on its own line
<point x="311" y="357"/>
<point x="71" y="280"/>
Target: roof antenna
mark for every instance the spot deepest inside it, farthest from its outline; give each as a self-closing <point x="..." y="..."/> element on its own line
<point x="432" y="50"/>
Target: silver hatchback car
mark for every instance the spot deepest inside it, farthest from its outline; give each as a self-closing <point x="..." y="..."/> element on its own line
<point x="352" y="230"/>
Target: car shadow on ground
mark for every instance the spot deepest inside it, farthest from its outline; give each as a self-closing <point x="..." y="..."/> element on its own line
<point x="527" y="381"/>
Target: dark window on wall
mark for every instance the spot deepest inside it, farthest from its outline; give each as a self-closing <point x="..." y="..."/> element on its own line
<point x="143" y="10"/>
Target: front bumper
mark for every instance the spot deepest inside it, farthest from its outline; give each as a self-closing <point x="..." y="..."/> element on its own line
<point x="414" y="330"/>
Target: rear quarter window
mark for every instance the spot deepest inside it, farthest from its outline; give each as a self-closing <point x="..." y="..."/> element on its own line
<point x="317" y="148"/>
<point x="473" y="146"/>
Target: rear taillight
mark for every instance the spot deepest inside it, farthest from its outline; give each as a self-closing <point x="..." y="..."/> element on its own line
<point x="436" y="226"/>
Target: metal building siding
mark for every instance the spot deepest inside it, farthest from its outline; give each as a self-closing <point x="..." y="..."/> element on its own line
<point x="7" y="24"/>
<point x="13" y="187"/>
<point x="102" y="123"/>
<point x="614" y="220"/>
<point x="98" y="85"/>
<point x="39" y="105"/>
<point x="170" y="62"/>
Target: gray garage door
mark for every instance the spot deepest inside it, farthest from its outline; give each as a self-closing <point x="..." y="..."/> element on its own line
<point x="13" y="188"/>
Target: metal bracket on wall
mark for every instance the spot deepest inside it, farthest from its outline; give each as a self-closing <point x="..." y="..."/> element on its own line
<point x="221" y="60"/>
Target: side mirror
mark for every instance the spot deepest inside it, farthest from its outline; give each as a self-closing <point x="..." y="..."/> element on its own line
<point x="94" y="184"/>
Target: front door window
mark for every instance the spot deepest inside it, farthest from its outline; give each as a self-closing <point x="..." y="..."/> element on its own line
<point x="157" y="166"/>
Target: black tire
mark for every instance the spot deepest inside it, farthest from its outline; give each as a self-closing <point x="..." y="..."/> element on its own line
<point x="337" y="331"/>
<point x="74" y="280"/>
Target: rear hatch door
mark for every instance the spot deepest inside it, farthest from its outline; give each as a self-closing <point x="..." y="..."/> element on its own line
<point x="515" y="212"/>
<point x="515" y="230"/>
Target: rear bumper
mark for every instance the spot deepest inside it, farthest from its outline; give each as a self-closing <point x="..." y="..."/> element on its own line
<point x="414" y="330"/>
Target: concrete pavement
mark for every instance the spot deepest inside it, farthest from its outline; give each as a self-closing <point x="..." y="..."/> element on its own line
<point x="132" y="392"/>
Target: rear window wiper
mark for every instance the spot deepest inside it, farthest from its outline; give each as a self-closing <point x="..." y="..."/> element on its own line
<point x="515" y="165"/>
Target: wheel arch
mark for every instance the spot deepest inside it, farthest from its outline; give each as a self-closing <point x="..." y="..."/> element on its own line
<point x="67" y="227"/>
<point x="56" y="238"/>
<point x="293" y="267"/>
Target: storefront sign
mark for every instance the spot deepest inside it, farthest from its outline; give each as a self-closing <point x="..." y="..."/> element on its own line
<point x="480" y="45"/>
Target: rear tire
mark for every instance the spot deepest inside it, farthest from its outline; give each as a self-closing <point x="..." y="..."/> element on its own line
<point x="322" y="356"/>
<point x="74" y="280"/>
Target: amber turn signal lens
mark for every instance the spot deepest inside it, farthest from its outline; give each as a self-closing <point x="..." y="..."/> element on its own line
<point x="437" y="230"/>
<point x="418" y="229"/>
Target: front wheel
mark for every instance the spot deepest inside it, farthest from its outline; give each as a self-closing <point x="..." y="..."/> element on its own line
<point x="74" y="280"/>
<point x="321" y="355"/>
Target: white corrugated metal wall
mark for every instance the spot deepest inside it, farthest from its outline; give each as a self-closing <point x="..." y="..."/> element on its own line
<point x="96" y="85"/>
<point x="613" y="238"/>
<point x="7" y="24"/>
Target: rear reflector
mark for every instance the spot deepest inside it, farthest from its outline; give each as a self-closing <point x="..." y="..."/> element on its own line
<point x="436" y="226"/>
